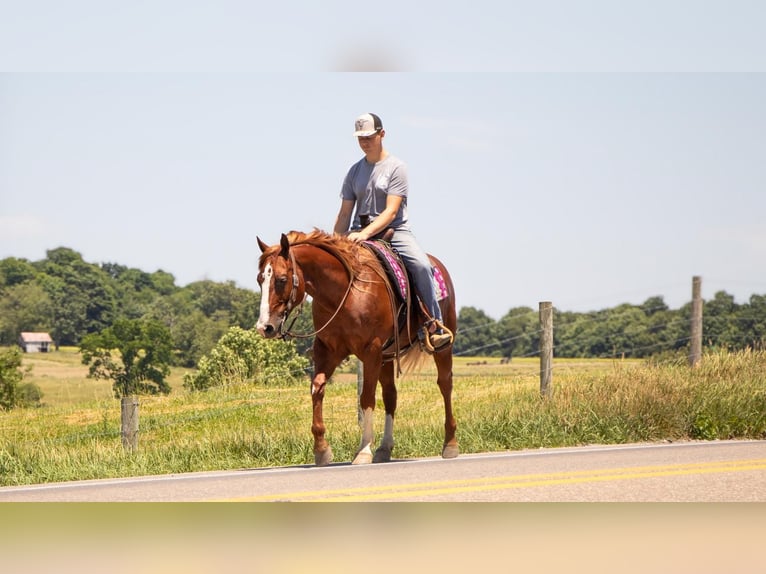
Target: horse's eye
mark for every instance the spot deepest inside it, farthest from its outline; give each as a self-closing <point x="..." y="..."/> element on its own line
<point x="260" y="278"/>
<point x="281" y="281"/>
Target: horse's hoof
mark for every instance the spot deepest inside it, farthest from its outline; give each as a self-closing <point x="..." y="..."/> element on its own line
<point x="363" y="457"/>
<point x="450" y="451"/>
<point x="323" y="458"/>
<point x="382" y="454"/>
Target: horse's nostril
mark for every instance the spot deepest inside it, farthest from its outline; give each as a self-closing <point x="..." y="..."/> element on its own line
<point x="266" y="330"/>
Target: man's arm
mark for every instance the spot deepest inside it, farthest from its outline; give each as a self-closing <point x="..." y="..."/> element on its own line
<point x="343" y="221"/>
<point x="381" y="221"/>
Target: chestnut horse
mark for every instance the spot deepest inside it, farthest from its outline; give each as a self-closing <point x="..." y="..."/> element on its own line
<point x="353" y="313"/>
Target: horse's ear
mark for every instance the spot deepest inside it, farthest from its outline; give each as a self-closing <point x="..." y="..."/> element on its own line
<point x="285" y="243"/>
<point x="261" y="244"/>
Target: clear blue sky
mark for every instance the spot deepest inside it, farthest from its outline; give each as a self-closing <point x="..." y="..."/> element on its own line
<point x="606" y="155"/>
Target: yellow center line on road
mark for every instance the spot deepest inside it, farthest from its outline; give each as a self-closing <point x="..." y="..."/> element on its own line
<point x="442" y="487"/>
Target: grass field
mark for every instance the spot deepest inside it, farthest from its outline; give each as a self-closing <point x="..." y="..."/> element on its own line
<point x="64" y="380"/>
<point x="76" y="433"/>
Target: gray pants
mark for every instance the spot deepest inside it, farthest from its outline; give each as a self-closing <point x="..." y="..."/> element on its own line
<point x="417" y="263"/>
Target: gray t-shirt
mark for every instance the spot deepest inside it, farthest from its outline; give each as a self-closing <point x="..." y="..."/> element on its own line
<point x="369" y="184"/>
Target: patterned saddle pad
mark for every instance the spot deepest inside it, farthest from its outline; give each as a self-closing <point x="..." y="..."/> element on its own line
<point x="397" y="273"/>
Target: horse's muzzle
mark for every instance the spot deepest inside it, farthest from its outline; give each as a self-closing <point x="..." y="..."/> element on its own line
<point x="272" y="328"/>
<point x="269" y="331"/>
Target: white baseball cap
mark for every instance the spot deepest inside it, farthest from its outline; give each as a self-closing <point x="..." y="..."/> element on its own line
<point x="367" y="125"/>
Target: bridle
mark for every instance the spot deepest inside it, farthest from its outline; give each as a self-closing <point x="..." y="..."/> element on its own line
<point x="286" y="332"/>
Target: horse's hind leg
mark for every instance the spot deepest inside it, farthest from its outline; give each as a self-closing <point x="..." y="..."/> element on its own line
<point x="388" y="384"/>
<point x="444" y="380"/>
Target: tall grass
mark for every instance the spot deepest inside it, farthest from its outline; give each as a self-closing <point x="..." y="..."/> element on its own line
<point x="497" y="407"/>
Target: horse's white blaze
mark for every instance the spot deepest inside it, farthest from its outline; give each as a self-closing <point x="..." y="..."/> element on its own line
<point x="265" y="315"/>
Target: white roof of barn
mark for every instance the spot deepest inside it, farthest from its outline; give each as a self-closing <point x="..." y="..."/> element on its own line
<point x="36" y="338"/>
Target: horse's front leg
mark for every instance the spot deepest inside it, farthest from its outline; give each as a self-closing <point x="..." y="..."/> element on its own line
<point x="322" y="450"/>
<point x="324" y="367"/>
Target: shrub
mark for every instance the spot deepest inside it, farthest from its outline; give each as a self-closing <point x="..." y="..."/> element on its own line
<point x="10" y="377"/>
<point x="133" y="353"/>
<point x="242" y="356"/>
<point x="29" y="395"/>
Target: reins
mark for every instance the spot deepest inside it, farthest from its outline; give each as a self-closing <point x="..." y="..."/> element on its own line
<point x="286" y="332"/>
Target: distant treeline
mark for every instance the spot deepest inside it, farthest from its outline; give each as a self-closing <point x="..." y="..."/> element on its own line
<point x="627" y="330"/>
<point x="70" y="298"/>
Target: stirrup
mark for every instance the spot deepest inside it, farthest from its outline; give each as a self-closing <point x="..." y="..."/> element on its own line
<point x="426" y="342"/>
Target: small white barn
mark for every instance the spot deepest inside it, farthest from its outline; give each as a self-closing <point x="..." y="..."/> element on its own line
<point x="35" y="342"/>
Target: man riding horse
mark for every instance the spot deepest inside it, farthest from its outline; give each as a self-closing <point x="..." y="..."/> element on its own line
<point x="375" y="192"/>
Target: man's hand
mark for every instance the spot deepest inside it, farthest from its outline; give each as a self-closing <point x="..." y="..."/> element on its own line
<point x="357" y="236"/>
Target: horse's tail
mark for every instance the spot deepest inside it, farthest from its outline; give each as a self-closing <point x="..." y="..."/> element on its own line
<point x="413" y="360"/>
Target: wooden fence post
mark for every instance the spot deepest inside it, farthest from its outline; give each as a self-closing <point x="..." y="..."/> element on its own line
<point x="546" y="348"/>
<point x="129" y="412"/>
<point x="695" y="351"/>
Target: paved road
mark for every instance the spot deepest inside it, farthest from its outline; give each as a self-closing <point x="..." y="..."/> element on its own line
<point x="718" y="471"/>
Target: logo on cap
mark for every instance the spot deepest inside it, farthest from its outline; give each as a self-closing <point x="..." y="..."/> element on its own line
<point x="367" y="125"/>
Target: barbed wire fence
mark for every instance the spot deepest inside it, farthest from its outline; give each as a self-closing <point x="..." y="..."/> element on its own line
<point x="545" y="329"/>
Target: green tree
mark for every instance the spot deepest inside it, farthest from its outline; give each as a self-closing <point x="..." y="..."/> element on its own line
<point x="576" y="334"/>
<point x="519" y="332"/>
<point x="11" y="376"/>
<point x="135" y="354"/>
<point x="719" y="326"/>
<point x="476" y="333"/>
<point x="654" y="305"/>
<point x="133" y="288"/>
<point x="14" y="271"/>
<point x="82" y="294"/>
<point x="137" y="290"/>
<point x="669" y="332"/>
<point x="752" y="322"/>
<point x="625" y="331"/>
<point x="195" y="335"/>
<point x="244" y="356"/>
<point x="225" y="300"/>
<point x="24" y="307"/>
<point x="163" y="282"/>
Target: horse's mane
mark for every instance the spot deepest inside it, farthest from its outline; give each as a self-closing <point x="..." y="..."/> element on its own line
<point x="346" y="251"/>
